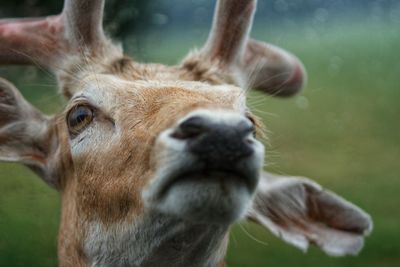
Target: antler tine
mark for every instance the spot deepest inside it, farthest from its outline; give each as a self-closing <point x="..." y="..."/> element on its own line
<point x="251" y="63"/>
<point x="83" y="22"/>
<point x="29" y="40"/>
<point x="61" y="43"/>
<point x="229" y="33"/>
<point x="45" y="40"/>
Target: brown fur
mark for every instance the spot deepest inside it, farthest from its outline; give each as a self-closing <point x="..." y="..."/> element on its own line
<point x="106" y="188"/>
<point x="103" y="182"/>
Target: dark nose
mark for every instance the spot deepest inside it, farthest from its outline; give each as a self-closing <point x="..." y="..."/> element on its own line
<point x="216" y="143"/>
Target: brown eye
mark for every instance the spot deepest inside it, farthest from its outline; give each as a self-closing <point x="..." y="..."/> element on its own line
<point x="79" y="118"/>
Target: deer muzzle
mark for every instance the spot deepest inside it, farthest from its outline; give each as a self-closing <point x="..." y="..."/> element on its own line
<point x="208" y="167"/>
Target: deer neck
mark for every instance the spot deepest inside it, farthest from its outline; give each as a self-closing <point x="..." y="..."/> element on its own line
<point x="152" y="239"/>
<point x="155" y="241"/>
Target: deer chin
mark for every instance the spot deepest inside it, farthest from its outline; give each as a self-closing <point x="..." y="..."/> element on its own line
<point x="212" y="196"/>
<point x="198" y="189"/>
<point x="196" y="192"/>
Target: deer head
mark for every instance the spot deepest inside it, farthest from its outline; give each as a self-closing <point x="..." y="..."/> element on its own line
<point x="154" y="163"/>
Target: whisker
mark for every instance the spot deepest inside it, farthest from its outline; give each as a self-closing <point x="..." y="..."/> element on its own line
<point x="251" y="236"/>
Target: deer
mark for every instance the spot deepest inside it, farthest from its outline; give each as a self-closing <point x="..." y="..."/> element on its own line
<point x="155" y="164"/>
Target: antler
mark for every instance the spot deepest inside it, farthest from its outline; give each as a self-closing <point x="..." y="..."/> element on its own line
<point x="32" y="40"/>
<point x="76" y="36"/>
<point x="41" y="40"/>
<point x="61" y="43"/>
<point x="230" y="30"/>
<point x="84" y="22"/>
<point x="260" y="65"/>
<point x="46" y="40"/>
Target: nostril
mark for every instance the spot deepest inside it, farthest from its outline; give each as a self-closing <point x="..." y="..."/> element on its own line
<point x="192" y="127"/>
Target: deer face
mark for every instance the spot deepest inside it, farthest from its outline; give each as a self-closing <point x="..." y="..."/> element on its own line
<point x="181" y="148"/>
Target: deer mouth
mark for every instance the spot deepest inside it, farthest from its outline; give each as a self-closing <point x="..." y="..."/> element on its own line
<point x="215" y="195"/>
<point x="207" y="168"/>
<point x="217" y="177"/>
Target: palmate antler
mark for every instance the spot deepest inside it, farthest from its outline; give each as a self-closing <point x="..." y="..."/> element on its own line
<point x="77" y="33"/>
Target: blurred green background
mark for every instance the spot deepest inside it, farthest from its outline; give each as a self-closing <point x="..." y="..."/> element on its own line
<point x="343" y="130"/>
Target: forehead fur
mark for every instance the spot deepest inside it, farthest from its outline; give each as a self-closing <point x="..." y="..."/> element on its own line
<point x="109" y="91"/>
<point x="109" y="190"/>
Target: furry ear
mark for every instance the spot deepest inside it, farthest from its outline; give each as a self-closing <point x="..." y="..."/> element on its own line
<point x="271" y="69"/>
<point x="25" y="133"/>
<point x="300" y="212"/>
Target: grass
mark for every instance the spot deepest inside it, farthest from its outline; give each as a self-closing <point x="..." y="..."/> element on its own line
<point x="342" y="131"/>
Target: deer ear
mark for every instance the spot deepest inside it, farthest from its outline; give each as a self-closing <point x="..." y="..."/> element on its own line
<point x="25" y="134"/>
<point x="270" y="69"/>
<point x="300" y="212"/>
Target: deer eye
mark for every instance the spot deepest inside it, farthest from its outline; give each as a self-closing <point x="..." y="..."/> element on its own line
<point x="79" y="118"/>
